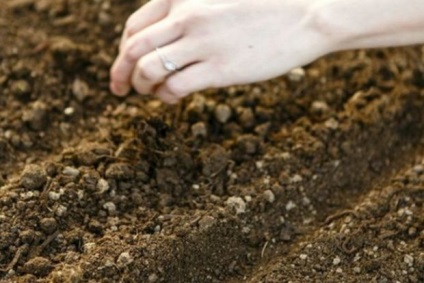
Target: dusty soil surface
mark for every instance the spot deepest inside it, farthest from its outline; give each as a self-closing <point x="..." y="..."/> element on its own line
<point x="317" y="176"/>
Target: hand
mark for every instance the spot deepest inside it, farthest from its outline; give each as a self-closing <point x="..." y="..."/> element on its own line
<point x="216" y="43"/>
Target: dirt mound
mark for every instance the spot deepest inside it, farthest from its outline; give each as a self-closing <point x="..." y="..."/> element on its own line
<point x="317" y="176"/>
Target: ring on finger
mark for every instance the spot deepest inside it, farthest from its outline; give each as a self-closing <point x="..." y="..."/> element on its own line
<point x="169" y="65"/>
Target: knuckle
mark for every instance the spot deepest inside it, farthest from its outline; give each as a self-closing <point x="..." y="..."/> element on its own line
<point x="178" y="25"/>
<point x="130" y="25"/>
<point x="144" y="70"/>
<point x="134" y="48"/>
<point x="130" y="51"/>
<point x="190" y="18"/>
<point x="196" y="16"/>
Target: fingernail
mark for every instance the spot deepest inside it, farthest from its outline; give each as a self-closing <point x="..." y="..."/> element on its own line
<point x="120" y="90"/>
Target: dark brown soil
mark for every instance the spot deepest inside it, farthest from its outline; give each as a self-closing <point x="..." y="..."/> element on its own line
<point x="311" y="178"/>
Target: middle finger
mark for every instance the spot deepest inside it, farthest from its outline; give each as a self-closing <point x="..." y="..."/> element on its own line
<point x="140" y="44"/>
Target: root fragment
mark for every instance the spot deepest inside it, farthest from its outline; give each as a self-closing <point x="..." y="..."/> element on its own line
<point x="15" y="259"/>
<point x="341" y="214"/>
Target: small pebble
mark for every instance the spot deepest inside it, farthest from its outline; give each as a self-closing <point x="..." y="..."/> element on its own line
<point x="48" y="225"/>
<point x="419" y="169"/>
<point x="71" y="171"/>
<point x="336" y="260"/>
<point x="357" y="269"/>
<point x="303" y="256"/>
<point x="259" y="164"/>
<point x="61" y="210"/>
<point x="319" y="107"/>
<point x="237" y="204"/>
<point x="222" y="113"/>
<point x="296" y="179"/>
<point x="38" y="266"/>
<point x="408" y="259"/>
<point x="80" y="89"/>
<point x="124" y="259"/>
<point x="153" y="278"/>
<point x="269" y="196"/>
<point x="246" y="117"/>
<point x="102" y="186"/>
<point x="207" y="222"/>
<point x="331" y="124"/>
<point x="27" y="236"/>
<point x="412" y="231"/>
<point x="20" y="88"/>
<point x="110" y="207"/>
<point x="197" y="105"/>
<point x="11" y="273"/>
<point x="290" y="205"/>
<point x="33" y="177"/>
<point x="89" y="248"/>
<point x="36" y="116"/>
<point x="296" y="74"/>
<point x="104" y="18"/>
<point x="195" y="187"/>
<point x="119" y="171"/>
<point x="199" y="130"/>
<point x="54" y="196"/>
<point x="69" y="111"/>
<point x="306" y="201"/>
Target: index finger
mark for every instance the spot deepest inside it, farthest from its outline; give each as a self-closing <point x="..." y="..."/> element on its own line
<point x="145" y="16"/>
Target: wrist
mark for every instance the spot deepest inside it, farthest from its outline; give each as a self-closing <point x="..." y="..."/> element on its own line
<point x="350" y="24"/>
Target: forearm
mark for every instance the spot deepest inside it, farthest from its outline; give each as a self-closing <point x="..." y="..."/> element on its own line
<point x="355" y="24"/>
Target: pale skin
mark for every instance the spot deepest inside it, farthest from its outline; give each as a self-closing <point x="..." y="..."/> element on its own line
<point x="218" y="43"/>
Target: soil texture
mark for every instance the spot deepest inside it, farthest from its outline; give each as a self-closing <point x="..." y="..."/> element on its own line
<point x="316" y="176"/>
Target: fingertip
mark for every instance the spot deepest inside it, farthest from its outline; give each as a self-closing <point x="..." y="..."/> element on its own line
<point x="167" y="97"/>
<point x="119" y="90"/>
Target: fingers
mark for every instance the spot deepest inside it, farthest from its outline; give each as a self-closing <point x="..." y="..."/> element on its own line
<point x="180" y="84"/>
<point x="150" y="71"/>
<point x="140" y="44"/>
<point x="150" y="13"/>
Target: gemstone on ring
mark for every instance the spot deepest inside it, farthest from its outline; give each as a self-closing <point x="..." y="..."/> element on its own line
<point x="170" y="66"/>
<point x="167" y="64"/>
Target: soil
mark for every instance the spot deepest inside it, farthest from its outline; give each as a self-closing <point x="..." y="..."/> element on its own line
<point x="317" y="176"/>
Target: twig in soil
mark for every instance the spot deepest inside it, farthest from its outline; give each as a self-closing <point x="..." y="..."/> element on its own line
<point x="15" y="259"/>
<point x="195" y="221"/>
<point x="37" y="250"/>
<point x="393" y="202"/>
<point x="220" y="170"/>
<point x="345" y="249"/>
<point x="389" y="234"/>
<point x="44" y="194"/>
<point x="336" y="216"/>
<point x="264" y="248"/>
<point x="343" y="242"/>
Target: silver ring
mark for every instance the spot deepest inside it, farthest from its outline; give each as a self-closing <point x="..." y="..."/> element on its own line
<point x="167" y="64"/>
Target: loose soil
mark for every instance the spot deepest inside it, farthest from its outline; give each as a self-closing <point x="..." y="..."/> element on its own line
<point x="317" y="176"/>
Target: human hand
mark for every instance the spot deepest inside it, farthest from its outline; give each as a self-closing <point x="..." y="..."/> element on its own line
<point x="215" y="43"/>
